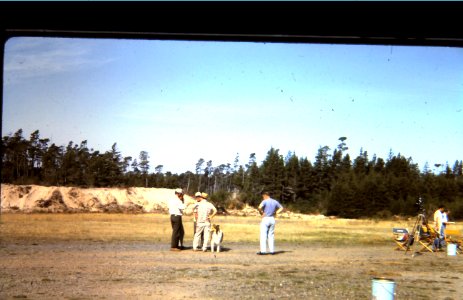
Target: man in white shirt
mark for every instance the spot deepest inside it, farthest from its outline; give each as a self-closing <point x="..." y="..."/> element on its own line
<point x="176" y="207"/>
<point x="195" y="218"/>
<point x="439" y="241"/>
<point x="206" y="211"/>
<point x="445" y="220"/>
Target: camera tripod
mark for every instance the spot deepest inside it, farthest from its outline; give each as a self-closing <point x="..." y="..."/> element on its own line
<point x="415" y="234"/>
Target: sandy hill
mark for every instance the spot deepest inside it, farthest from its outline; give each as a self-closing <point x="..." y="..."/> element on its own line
<point x="34" y="198"/>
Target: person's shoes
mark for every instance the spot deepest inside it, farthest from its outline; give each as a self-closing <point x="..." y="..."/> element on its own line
<point x="272" y="253"/>
<point x="174" y="249"/>
<point x="204" y="250"/>
<point x="261" y="253"/>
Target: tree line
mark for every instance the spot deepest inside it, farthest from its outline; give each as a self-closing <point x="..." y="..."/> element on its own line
<point x="333" y="184"/>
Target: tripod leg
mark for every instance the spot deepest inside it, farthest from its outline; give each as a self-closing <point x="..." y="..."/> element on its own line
<point x="413" y="233"/>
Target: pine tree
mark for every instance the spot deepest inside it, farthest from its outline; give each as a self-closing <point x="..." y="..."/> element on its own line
<point x="273" y="173"/>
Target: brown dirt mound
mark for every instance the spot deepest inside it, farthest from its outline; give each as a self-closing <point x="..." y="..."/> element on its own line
<point x="34" y="198"/>
<point x="53" y="199"/>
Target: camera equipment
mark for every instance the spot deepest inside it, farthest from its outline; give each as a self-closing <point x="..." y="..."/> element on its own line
<point x="417" y="233"/>
<point x="420" y="204"/>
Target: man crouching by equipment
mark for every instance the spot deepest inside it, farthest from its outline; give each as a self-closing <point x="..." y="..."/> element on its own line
<point x="206" y="211"/>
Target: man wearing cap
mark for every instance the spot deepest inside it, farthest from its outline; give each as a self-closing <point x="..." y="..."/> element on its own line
<point x="206" y="211"/>
<point x="176" y="207"/>
<point x="268" y="208"/>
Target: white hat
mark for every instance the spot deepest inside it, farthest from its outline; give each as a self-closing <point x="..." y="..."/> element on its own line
<point x="178" y="191"/>
<point x="198" y="194"/>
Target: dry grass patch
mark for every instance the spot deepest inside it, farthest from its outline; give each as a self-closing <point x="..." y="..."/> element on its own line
<point x="101" y="227"/>
<point x="156" y="227"/>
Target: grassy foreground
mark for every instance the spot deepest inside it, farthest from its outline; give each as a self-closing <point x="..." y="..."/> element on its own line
<point x="156" y="228"/>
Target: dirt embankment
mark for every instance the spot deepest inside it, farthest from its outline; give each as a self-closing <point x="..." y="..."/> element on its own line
<point x="35" y="198"/>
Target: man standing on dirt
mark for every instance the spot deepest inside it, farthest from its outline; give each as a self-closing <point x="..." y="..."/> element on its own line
<point x="268" y="209"/>
<point x="439" y="241"/>
<point x="198" y="197"/>
<point x="206" y="211"/>
<point x="176" y="207"/>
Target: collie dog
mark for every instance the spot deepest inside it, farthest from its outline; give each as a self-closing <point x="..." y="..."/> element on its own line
<point x="216" y="236"/>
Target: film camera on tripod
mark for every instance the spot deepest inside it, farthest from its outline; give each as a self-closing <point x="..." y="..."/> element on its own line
<point x="422" y="233"/>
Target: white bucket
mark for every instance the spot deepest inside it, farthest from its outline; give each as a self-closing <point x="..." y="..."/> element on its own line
<point x="382" y="289"/>
<point x="451" y="249"/>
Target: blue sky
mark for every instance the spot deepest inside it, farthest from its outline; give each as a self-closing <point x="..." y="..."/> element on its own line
<point x="185" y="100"/>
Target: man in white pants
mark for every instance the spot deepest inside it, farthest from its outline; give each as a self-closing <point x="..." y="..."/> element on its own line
<point x="206" y="211"/>
<point x="268" y="208"/>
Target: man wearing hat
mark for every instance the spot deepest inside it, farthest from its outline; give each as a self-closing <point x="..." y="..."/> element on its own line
<point x="176" y="207"/>
<point x="206" y="211"/>
<point x="198" y="199"/>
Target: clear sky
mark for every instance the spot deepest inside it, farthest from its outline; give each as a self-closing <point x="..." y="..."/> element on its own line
<point x="185" y="100"/>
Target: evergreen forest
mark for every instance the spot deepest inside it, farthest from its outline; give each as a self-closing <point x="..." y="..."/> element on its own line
<point x="333" y="183"/>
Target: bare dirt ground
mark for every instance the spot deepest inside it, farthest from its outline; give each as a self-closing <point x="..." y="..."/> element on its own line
<point x="115" y="270"/>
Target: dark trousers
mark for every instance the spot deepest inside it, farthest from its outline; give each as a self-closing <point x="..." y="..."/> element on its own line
<point x="177" y="231"/>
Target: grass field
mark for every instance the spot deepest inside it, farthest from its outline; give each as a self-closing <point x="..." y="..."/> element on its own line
<point x="156" y="227"/>
<point x="126" y="256"/>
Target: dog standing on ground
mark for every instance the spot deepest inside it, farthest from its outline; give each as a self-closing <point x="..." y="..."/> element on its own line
<point x="216" y="236"/>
